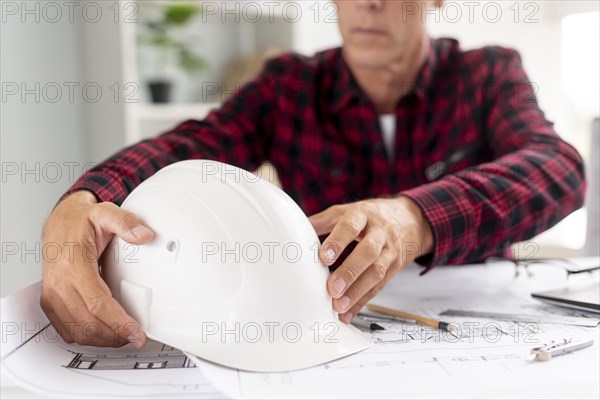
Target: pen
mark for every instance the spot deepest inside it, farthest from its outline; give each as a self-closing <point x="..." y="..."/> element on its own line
<point x="433" y="323"/>
<point x="438" y="169"/>
<point x="557" y="348"/>
<point x="366" y="325"/>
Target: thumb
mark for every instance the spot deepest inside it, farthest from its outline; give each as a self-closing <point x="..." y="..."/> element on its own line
<point x="124" y="224"/>
<point x="324" y="221"/>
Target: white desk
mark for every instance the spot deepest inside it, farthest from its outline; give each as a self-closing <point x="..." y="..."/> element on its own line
<point x="483" y="287"/>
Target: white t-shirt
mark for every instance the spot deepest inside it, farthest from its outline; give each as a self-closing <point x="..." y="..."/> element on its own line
<point x="388" y="129"/>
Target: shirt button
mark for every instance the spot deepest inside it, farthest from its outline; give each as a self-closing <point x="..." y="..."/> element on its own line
<point x="336" y="173"/>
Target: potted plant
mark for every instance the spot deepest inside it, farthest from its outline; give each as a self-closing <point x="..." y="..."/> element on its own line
<point x="158" y="34"/>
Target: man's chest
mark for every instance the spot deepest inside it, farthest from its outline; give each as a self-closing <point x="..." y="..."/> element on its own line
<point x="325" y="159"/>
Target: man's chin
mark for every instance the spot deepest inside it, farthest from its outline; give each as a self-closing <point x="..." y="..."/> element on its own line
<point x="370" y="57"/>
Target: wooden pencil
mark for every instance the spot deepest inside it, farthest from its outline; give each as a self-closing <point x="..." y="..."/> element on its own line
<point x="433" y="323"/>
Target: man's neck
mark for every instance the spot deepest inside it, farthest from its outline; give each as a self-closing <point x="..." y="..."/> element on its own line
<point x="385" y="85"/>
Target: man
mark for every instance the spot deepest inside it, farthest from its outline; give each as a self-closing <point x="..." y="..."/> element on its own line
<point x="412" y="147"/>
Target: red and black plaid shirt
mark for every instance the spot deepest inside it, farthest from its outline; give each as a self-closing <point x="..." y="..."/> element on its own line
<point x="472" y="147"/>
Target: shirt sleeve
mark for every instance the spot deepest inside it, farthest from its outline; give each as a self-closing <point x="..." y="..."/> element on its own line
<point x="238" y="133"/>
<point x="535" y="180"/>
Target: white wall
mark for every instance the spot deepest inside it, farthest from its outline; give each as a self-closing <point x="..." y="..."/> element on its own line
<point x="42" y="135"/>
<point x="34" y="135"/>
<point x="317" y="28"/>
<point x="100" y="58"/>
<point x="538" y="39"/>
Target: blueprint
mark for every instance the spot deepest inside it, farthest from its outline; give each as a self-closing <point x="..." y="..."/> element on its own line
<point x="485" y="359"/>
<point x="35" y="357"/>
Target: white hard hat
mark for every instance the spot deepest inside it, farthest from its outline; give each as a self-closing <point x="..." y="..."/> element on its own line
<point x="232" y="275"/>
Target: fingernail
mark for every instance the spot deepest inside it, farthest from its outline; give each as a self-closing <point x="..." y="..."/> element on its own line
<point x="344" y="302"/>
<point x="135" y="340"/>
<point x="347" y="318"/>
<point x="140" y="230"/>
<point x="339" y="285"/>
<point x="329" y="255"/>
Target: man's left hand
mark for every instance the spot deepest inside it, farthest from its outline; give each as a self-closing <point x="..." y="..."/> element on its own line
<point x="391" y="233"/>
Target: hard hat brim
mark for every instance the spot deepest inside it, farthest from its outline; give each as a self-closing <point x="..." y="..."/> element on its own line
<point x="338" y="341"/>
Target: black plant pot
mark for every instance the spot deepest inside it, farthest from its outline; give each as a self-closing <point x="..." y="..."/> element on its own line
<point x="160" y="90"/>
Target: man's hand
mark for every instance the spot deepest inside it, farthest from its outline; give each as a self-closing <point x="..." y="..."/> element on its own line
<point x="74" y="297"/>
<point x="391" y="233"/>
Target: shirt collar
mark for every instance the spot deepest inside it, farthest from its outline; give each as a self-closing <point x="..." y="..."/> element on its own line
<point x="346" y="89"/>
<point x="426" y="77"/>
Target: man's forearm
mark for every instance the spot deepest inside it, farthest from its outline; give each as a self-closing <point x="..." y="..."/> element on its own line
<point x="425" y="243"/>
<point x="113" y="179"/>
<point x="479" y="212"/>
<point x="237" y="133"/>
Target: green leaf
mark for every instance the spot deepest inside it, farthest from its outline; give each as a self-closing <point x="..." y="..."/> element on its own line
<point x="161" y="41"/>
<point x="179" y="13"/>
<point x="191" y="63"/>
<point x="158" y="34"/>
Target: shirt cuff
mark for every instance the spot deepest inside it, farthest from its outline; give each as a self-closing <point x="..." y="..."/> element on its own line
<point x="452" y="218"/>
<point x="101" y="185"/>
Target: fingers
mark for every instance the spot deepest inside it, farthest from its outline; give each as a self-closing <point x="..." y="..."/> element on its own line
<point x="366" y="252"/>
<point x="74" y="296"/>
<point x="366" y="286"/>
<point x="56" y="312"/>
<point x="87" y="314"/>
<point x="111" y="218"/>
<point x="324" y="221"/>
<point x="101" y="305"/>
<point x="74" y="322"/>
<point x="348" y="228"/>
<point x="96" y="296"/>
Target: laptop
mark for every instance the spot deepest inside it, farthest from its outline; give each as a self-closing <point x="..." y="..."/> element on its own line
<point x="581" y="297"/>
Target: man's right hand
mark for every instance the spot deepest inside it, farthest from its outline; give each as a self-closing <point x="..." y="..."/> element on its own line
<point x="74" y="297"/>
